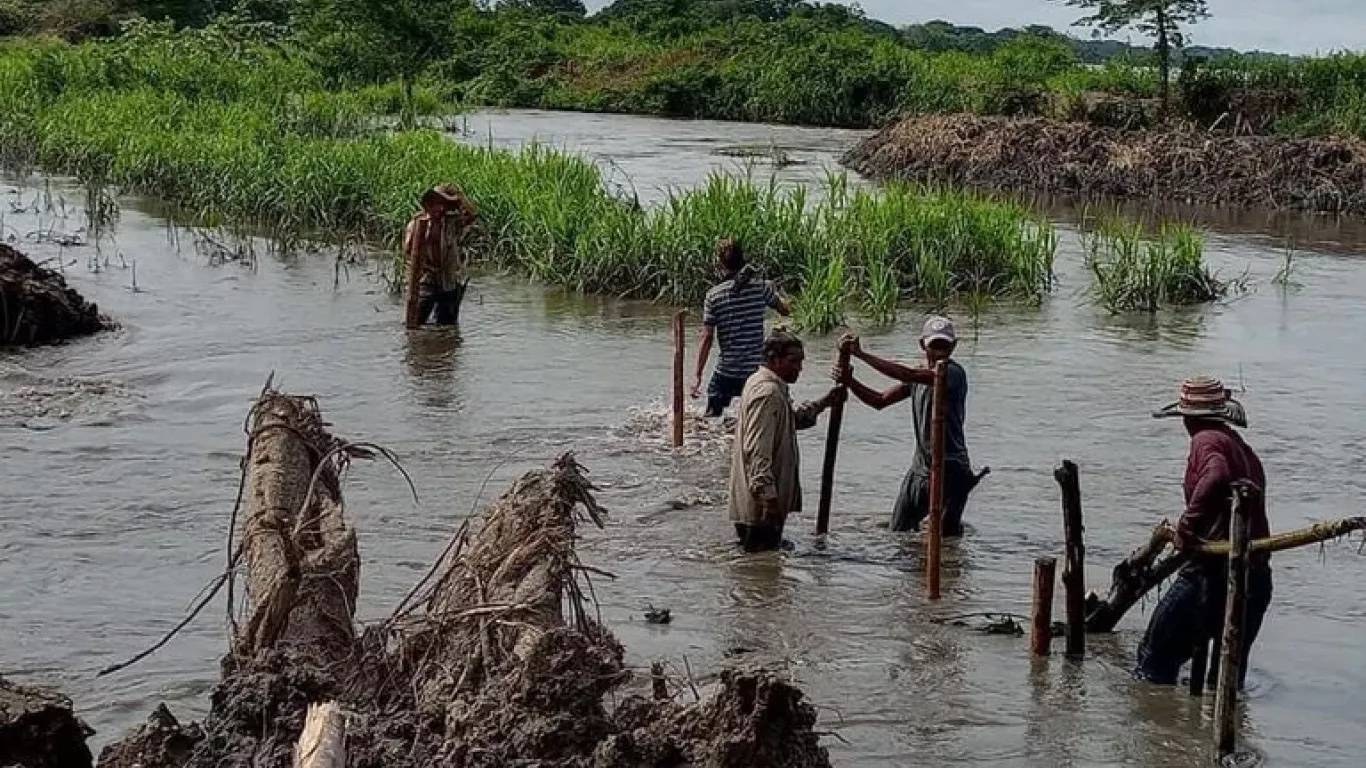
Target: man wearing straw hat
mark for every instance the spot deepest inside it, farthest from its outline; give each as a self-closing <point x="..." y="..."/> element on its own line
<point x="916" y="383"/>
<point x="1193" y="607"/>
<point x="434" y="258"/>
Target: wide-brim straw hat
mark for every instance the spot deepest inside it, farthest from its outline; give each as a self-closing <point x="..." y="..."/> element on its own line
<point x="449" y="193"/>
<point x="1204" y="397"/>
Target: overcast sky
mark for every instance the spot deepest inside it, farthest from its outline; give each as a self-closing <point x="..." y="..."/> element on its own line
<point x="1287" y="26"/>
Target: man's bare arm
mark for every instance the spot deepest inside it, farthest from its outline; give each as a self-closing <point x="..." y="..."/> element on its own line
<point x="704" y="342"/>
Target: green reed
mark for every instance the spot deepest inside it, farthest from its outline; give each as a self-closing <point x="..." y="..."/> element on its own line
<point x="313" y="164"/>
<point x="1133" y="271"/>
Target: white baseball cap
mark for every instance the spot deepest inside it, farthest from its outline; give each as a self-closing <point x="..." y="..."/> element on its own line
<point x="938" y="328"/>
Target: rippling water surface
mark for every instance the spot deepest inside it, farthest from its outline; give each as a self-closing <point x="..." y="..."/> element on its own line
<point x="120" y="468"/>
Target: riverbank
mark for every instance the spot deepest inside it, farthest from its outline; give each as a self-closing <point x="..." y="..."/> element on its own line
<point x="1321" y="175"/>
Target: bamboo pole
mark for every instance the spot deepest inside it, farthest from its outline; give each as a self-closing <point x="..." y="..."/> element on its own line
<point x="1139" y="573"/>
<point x="1042" y="613"/>
<point x="832" y="444"/>
<point x="1073" y="574"/>
<point x="1235" y="610"/>
<point x="935" y="532"/>
<point x="678" y="379"/>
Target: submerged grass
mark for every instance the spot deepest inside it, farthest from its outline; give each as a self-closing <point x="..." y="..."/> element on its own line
<point x="310" y="163"/>
<point x="1134" y="271"/>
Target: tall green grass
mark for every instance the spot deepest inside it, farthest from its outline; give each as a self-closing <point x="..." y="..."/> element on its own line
<point x="1135" y="271"/>
<point x="311" y="163"/>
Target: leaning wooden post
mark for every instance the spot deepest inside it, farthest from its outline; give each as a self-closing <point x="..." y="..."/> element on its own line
<point x="935" y="533"/>
<point x="1042" y="613"/>
<point x="1073" y="574"/>
<point x="832" y="445"/>
<point x="1235" y="608"/>
<point x="678" y="379"/>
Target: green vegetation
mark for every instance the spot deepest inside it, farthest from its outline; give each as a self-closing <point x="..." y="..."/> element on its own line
<point x="230" y="127"/>
<point x="1136" y="272"/>
<point x="786" y="61"/>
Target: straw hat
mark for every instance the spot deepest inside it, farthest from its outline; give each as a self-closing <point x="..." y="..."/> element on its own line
<point x="1204" y="397"/>
<point x="447" y="193"/>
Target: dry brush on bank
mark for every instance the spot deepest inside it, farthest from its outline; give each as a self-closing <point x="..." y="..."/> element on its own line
<point x="494" y="659"/>
<point x="1311" y="174"/>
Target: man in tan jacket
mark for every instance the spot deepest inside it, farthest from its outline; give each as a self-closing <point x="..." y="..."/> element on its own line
<point x="765" y="481"/>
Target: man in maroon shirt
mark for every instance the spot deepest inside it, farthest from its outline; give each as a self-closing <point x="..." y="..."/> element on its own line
<point x="1193" y="607"/>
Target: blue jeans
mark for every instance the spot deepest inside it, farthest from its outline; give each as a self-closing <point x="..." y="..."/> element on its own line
<point x="1193" y="609"/>
<point x="721" y="390"/>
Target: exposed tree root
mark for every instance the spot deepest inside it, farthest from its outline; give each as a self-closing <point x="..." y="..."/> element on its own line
<point x="500" y="661"/>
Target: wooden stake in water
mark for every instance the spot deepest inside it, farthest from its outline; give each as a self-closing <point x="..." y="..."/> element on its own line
<point x="678" y="379"/>
<point x="1041" y="637"/>
<point x="1073" y="573"/>
<point x="1235" y="609"/>
<point x="934" y="535"/>
<point x="832" y="445"/>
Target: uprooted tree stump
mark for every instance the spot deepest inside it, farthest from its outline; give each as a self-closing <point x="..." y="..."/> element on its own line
<point x="493" y="660"/>
<point x="37" y="306"/>
<point x="38" y="729"/>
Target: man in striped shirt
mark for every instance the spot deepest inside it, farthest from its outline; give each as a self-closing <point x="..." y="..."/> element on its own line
<point x="734" y="315"/>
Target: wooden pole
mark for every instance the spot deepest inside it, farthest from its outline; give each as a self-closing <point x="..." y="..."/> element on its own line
<point x="935" y="532"/>
<point x="832" y="445"/>
<point x="678" y="379"/>
<point x="1235" y="609"/>
<point x="1042" y="614"/>
<point x="1073" y="574"/>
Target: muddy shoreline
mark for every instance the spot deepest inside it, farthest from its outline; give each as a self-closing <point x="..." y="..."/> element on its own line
<point x="1322" y="175"/>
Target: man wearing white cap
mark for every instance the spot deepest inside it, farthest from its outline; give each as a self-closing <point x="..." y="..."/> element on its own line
<point x="916" y="383"/>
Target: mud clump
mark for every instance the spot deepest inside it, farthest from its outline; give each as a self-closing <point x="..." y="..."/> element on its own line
<point x="162" y="740"/>
<point x="753" y="720"/>
<point x="38" y="729"/>
<point x="1070" y="158"/>
<point x="37" y="306"/>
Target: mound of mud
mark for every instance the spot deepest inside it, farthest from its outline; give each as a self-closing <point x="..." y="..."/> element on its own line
<point x="39" y="730"/>
<point x="1318" y="174"/>
<point x="493" y="660"/>
<point x="37" y="306"/>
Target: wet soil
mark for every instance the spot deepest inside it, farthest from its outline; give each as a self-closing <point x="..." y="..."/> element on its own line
<point x="38" y="307"/>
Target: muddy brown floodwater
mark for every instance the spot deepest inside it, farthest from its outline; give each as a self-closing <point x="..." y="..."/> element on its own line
<point x="120" y="466"/>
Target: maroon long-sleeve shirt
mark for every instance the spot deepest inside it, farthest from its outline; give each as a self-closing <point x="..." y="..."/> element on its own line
<point x="1218" y="458"/>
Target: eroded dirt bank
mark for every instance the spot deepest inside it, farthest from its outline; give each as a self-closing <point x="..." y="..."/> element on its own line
<point x="1320" y="174"/>
<point x="38" y="307"/>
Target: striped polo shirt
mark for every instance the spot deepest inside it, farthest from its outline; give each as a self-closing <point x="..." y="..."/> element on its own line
<point x="736" y="312"/>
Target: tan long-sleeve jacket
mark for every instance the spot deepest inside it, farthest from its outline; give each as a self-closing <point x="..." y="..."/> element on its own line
<point x="765" y="460"/>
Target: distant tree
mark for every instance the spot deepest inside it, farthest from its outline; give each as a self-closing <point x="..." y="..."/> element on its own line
<point x="377" y="38"/>
<point x="566" y="9"/>
<point x="1160" y="19"/>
